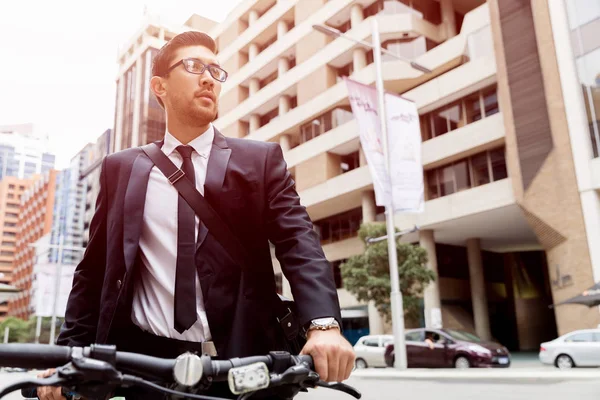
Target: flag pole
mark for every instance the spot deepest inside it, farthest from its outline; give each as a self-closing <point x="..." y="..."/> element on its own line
<point x="395" y="295"/>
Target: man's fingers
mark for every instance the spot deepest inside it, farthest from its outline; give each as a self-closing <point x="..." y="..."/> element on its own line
<point x="321" y="363"/>
<point x="333" y="364"/>
<point x="346" y="364"/>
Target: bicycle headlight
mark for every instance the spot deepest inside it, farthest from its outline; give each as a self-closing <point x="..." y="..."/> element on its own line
<point x="248" y="378"/>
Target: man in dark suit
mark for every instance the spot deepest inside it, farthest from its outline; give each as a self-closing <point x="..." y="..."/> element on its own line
<point x="154" y="280"/>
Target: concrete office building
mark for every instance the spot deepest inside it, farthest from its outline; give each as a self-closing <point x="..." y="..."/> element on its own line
<point x="35" y="221"/>
<point x="510" y="144"/>
<point x="11" y="189"/>
<point x="23" y="152"/>
<point x="90" y="174"/>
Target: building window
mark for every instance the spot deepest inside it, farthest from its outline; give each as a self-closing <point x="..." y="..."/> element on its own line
<point x="270" y="78"/>
<point x="337" y="273"/>
<point x="12" y="215"/>
<point x="265" y="119"/>
<point x="6" y="253"/>
<point x="349" y="162"/>
<point x="7" y="243"/>
<point x="9" y="234"/>
<point x="340" y="226"/>
<point x="477" y="170"/>
<point x="460" y="113"/>
<point x="10" y="224"/>
<point x="324" y="123"/>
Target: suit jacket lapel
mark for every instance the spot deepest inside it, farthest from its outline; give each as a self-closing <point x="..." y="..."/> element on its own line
<point x="215" y="175"/>
<point x="135" y="199"/>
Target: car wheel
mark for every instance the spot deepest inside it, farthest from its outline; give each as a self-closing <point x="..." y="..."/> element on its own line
<point x="462" y="362"/>
<point x="360" y="363"/>
<point x="564" y="362"/>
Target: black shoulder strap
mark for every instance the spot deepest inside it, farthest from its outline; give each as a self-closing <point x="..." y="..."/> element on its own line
<point x="192" y="196"/>
<point x="216" y="226"/>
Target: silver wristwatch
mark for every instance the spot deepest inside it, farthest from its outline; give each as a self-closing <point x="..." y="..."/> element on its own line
<point x="323" y="324"/>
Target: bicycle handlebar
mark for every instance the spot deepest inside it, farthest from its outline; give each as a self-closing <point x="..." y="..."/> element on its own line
<point x="89" y="366"/>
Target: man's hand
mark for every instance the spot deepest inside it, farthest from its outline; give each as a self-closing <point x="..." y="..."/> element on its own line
<point x="49" y="392"/>
<point x="332" y="354"/>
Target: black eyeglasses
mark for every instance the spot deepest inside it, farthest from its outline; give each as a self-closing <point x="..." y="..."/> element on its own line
<point x="195" y="66"/>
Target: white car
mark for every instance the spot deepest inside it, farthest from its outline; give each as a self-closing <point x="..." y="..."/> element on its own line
<point x="575" y="349"/>
<point x="370" y="350"/>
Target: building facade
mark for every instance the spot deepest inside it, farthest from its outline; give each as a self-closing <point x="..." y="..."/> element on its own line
<point x="90" y="174"/>
<point x="11" y="190"/>
<point x="139" y="119"/>
<point x="23" y="152"/>
<point x="505" y="222"/>
<point x="35" y="221"/>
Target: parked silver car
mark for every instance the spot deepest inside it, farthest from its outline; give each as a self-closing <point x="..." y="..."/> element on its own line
<point x="575" y="349"/>
<point x="370" y="350"/>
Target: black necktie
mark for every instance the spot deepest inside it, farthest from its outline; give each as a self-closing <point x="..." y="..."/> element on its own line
<point x="185" y="275"/>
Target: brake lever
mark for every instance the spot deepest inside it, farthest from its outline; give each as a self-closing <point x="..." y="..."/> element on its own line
<point x="342" y="387"/>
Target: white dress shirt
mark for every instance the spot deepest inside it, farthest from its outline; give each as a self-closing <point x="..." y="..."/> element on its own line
<point x="153" y="298"/>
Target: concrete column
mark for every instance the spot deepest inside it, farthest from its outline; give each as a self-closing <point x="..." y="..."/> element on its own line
<point x="161" y="34"/>
<point x="356" y="15"/>
<point x="478" y="296"/>
<point x="253" y="86"/>
<point x="431" y="295"/>
<point x="376" y="326"/>
<point x="362" y="160"/>
<point x="359" y="59"/>
<point x="283" y="66"/>
<point x="254" y="122"/>
<point x="448" y="18"/>
<point x="282" y="29"/>
<point x="284" y="104"/>
<point x="253" y="51"/>
<point x="369" y="210"/>
<point x="252" y="17"/>
<point x="284" y="142"/>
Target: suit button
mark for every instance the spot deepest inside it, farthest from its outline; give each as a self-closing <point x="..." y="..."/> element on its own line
<point x="119" y="284"/>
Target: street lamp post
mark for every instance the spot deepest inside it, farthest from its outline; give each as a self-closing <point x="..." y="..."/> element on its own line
<point x="395" y="295"/>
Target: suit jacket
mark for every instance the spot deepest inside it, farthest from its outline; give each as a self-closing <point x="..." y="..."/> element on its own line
<point x="249" y="186"/>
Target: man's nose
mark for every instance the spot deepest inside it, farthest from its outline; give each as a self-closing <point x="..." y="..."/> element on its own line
<point x="206" y="79"/>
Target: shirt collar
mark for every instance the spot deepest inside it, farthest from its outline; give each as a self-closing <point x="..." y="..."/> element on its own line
<point x="202" y="144"/>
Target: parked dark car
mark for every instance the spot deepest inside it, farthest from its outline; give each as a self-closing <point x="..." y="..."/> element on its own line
<point x="447" y="348"/>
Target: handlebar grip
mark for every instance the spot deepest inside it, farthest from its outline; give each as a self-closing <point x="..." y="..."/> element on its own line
<point x="145" y="366"/>
<point x="38" y="356"/>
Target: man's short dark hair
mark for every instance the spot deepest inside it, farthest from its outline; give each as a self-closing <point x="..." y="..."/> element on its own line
<point x="164" y="58"/>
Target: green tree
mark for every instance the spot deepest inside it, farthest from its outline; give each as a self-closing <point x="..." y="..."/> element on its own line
<point x="24" y="331"/>
<point x="367" y="276"/>
<point x="18" y="329"/>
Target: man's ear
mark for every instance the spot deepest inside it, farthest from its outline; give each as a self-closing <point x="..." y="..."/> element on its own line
<point x="158" y="86"/>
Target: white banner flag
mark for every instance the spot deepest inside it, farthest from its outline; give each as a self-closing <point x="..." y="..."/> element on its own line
<point x="406" y="183"/>
<point x="44" y="285"/>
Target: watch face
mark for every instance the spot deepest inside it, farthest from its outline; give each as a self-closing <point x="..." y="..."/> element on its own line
<point x="324" y="321"/>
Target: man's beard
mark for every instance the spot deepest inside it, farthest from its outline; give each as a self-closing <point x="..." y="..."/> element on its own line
<point x="192" y="114"/>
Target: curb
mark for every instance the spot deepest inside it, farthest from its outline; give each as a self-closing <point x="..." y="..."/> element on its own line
<point x="479" y="375"/>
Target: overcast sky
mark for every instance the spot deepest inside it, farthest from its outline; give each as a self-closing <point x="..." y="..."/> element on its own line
<point x="58" y="61"/>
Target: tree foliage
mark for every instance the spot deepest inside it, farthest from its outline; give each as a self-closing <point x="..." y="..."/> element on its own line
<point x="23" y="331"/>
<point x="367" y="276"/>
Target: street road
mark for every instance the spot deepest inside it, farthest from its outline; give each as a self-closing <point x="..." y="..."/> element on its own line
<point x="380" y="389"/>
<point x="436" y="389"/>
